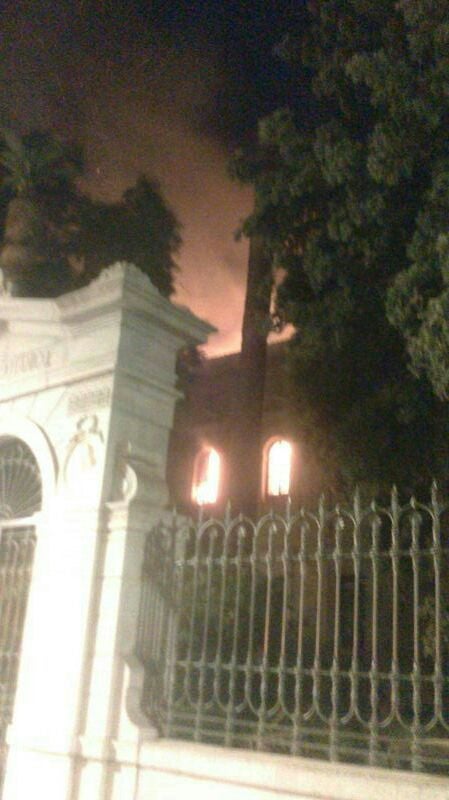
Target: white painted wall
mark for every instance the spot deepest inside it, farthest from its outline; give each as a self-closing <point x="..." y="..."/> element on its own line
<point x="88" y="381"/>
<point x="180" y="770"/>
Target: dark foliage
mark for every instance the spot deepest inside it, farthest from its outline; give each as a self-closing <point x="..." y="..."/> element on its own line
<point x="56" y="238"/>
<point x="351" y="195"/>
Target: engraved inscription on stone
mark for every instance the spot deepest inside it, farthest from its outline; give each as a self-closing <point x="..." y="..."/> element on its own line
<point x="87" y="399"/>
<point x="28" y="361"/>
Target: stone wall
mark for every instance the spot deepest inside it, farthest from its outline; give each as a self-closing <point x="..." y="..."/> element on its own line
<point x="174" y="770"/>
<point x="87" y="381"/>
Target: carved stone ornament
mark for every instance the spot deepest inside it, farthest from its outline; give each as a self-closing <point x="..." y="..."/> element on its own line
<point x="138" y="474"/>
<point x="125" y="483"/>
<point x="82" y="401"/>
<point x="84" y="455"/>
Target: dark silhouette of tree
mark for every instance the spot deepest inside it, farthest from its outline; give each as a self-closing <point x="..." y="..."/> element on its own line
<point x="56" y="238"/>
<point x="141" y="228"/>
<point x="38" y="180"/>
<point x="352" y="200"/>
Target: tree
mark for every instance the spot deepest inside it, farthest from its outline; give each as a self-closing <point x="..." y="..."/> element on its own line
<point x="351" y="196"/>
<point x="140" y="228"/>
<point x="56" y="238"/>
<point x="38" y="182"/>
<point x="418" y="302"/>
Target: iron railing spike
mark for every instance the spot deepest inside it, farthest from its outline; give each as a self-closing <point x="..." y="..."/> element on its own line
<point x="357" y="504"/>
<point x="322" y="504"/>
<point x="394" y="499"/>
<point x="252" y="610"/>
<point x="288" y="508"/>
<point x="434" y="493"/>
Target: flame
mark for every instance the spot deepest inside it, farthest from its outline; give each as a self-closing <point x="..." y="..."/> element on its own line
<point x="279" y="465"/>
<point x="207" y="477"/>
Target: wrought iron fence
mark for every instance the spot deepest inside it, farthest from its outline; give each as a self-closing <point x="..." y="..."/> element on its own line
<point x="322" y="634"/>
<point x="20" y="500"/>
<point x="17" y="543"/>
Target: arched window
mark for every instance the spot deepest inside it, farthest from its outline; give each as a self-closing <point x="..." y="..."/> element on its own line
<point x="206" y="477"/>
<point x="278" y="467"/>
<point x="20" y="481"/>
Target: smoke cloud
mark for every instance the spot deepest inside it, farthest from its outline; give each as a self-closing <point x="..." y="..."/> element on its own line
<point x="140" y="101"/>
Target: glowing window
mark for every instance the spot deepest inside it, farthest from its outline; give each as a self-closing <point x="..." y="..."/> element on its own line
<point x="278" y="468"/>
<point x="206" y="477"/>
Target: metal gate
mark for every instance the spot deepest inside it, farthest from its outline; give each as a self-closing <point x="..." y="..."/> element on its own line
<point x="20" y="500"/>
<point x="320" y="633"/>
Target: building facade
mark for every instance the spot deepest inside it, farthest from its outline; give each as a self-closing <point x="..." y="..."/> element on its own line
<point x="200" y="454"/>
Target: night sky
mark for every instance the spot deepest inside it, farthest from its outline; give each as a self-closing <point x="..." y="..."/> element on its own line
<point x="165" y="88"/>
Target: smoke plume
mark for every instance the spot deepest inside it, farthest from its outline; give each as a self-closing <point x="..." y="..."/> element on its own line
<point x="139" y="99"/>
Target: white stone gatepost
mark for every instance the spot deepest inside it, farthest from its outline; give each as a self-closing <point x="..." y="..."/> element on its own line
<point x="88" y="382"/>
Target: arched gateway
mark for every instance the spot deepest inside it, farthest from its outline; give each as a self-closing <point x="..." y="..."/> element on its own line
<point x="87" y="395"/>
<point x="20" y="501"/>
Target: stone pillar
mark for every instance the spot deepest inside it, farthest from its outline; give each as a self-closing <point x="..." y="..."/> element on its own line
<point x="95" y="371"/>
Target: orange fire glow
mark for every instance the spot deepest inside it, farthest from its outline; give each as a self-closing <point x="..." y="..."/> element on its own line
<point x="206" y="477"/>
<point x="279" y="463"/>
